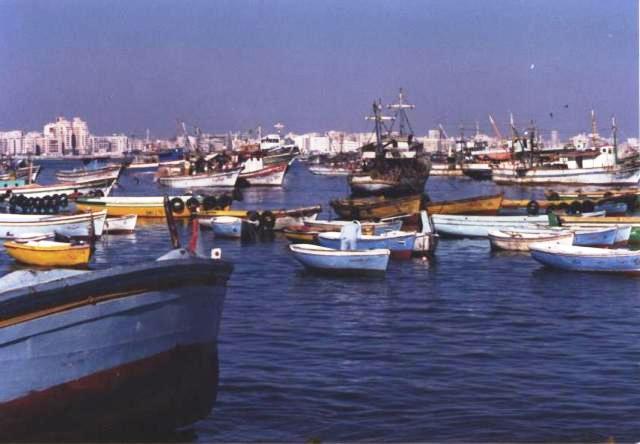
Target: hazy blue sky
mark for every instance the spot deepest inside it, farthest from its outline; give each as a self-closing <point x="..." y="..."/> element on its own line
<point x="317" y="65"/>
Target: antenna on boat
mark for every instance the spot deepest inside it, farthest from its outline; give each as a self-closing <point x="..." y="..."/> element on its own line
<point x="614" y="128"/>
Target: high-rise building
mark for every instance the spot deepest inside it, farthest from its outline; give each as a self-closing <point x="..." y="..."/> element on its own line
<point x="64" y="137"/>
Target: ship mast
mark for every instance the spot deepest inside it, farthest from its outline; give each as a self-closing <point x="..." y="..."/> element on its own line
<point x="401" y="114"/>
<point x="614" y="128"/>
<point x="378" y="118"/>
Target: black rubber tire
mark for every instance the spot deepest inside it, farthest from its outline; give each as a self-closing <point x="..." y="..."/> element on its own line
<point x="177" y="205"/>
<point x="533" y="208"/>
<point x="98" y="193"/>
<point x="193" y="204"/>
<point x="267" y="220"/>
<point x="64" y="201"/>
<point x="575" y="207"/>
<point x="588" y="206"/>
<point x="209" y="203"/>
<point x="554" y="196"/>
<point x="224" y="201"/>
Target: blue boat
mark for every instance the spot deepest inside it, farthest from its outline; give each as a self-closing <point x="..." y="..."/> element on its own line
<point x="598" y="237"/>
<point x="399" y="242"/>
<point x="573" y="258"/>
<point x="89" y="353"/>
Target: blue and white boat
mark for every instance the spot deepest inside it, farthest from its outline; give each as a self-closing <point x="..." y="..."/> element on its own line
<point x="399" y="242"/>
<point x="88" y="353"/>
<point x="224" y="226"/>
<point x="599" y="237"/>
<point x="347" y="258"/>
<point x="574" y="258"/>
<point x="612" y="208"/>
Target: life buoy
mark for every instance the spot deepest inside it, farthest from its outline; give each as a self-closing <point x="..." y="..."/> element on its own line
<point x="177" y="205"/>
<point x="267" y="220"/>
<point x="209" y="203"/>
<point x="533" y="208"/>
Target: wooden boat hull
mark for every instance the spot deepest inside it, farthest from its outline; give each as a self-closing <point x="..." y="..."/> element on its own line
<point x="269" y="176"/>
<point x="121" y="225"/>
<point x="322" y="259"/>
<point x="471" y="205"/>
<point x="145" y="207"/>
<point x="68" y="189"/>
<point x="587" y="259"/>
<point x="376" y="207"/>
<point x="521" y="241"/>
<point x="225" y="179"/>
<point x="479" y="226"/>
<point x="78" y="225"/>
<point x="111" y="351"/>
<point x="105" y="173"/>
<point x="321" y="170"/>
<point x="582" y="176"/>
<point x="48" y="255"/>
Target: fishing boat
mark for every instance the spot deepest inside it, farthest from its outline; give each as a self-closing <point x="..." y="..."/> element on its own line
<point x="376" y="207"/>
<point x="89" y="174"/>
<point x="47" y="253"/>
<point x="400" y="243"/>
<point x="225" y="178"/>
<point x="72" y="226"/>
<point x="477" y="170"/>
<point x="121" y="225"/>
<point x="29" y="173"/>
<point x="573" y="258"/>
<point x="520" y="240"/>
<point x="130" y="348"/>
<point x="471" y="205"/>
<point x="100" y="187"/>
<point x="153" y="207"/>
<point x="256" y="173"/>
<point x="396" y="164"/>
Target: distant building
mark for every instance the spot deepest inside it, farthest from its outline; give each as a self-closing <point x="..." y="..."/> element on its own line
<point x="64" y="137"/>
<point x="114" y="145"/>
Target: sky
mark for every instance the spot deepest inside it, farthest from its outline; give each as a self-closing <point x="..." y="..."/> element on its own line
<point x="128" y="65"/>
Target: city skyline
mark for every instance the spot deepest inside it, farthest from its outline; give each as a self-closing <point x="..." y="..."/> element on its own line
<point x="225" y="66"/>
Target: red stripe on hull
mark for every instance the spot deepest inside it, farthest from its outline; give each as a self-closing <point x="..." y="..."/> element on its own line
<point x="146" y="397"/>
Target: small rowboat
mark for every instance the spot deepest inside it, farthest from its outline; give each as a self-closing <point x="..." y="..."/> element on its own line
<point x="121" y="225"/>
<point x="471" y="205"/>
<point x="570" y="221"/>
<point x="45" y="253"/>
<point x="575" y="258"/>
<point x="318" y="258"/>
<point x="368" y="208"/>
<point x="520" y="240"/>
<point x="595" y="237"/>
<point x="14" y="226"/>
<point x="85" y="174"/>
<point x="224" y="226"/>
<point x="367" y="227"/>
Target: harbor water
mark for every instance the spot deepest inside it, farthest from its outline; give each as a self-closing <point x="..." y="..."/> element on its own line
<point x="470" y="346"/>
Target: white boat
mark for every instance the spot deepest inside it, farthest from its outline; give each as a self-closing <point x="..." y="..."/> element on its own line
<point x="347" y="259"/>
<point x="77" y="225"/>
<point x="119" y="225"/>
<point x="479" y="226"/>
<point x="572" y="258"/>
<point x="101" y="187"/>
<point x="225" y="178"/>
<point x="224" y="226"/>
<point x="256" y="173"/>
<point x="326" y="170"/>
<point x="88" y="174"/>
<point x="367" y="227"/>
<point x="520" y="240"/>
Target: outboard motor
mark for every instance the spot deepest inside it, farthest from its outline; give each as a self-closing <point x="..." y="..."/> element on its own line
<point x="349" y="235"/>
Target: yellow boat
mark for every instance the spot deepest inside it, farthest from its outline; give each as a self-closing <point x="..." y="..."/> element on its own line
<point x="470" y="205"/>
<point x="376" y="207"/>
<point x="46" y="253"/>
<point x="151" y="207"/>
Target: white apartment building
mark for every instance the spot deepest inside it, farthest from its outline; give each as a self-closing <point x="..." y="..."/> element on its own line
<point x="115" y="145"/>
<point x="66" y="137"/>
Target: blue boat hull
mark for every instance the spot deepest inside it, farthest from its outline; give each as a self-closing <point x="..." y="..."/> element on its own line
<point x="401" y="246"/>
<point x="600" y="238"/>
<point x="624" y="264"/>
